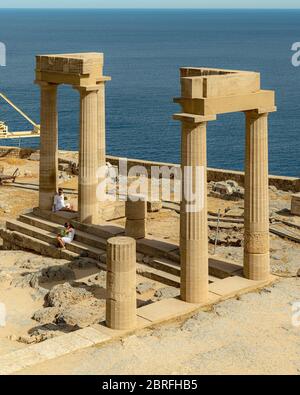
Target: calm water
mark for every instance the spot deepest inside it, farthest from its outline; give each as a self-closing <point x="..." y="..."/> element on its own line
<point x="143" y="52"/>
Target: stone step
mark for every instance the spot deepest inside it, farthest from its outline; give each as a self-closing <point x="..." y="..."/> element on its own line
<point x="292" y="234"/>
<point x="158" y="275"/>
<point x="103" y="231"/>
<point x="26" y="242"/>
<point x="163" y="276"/>
<point x="165" y="265"/>
<point x="86" y="238"/>
<point x="49" y="237"/>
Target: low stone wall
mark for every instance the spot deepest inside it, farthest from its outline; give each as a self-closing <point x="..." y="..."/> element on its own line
<point x="280" y="182"/>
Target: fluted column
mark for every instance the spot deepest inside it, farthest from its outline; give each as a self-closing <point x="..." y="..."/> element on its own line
<point x="136" y="216"/>
<point x="101" y="125"/>
<point x="256" y="238"/>
<point x="48" y="145"/>
<point x="88" y="155"/>
<point x="193" y="222"/>
<point x="121" y="283"/>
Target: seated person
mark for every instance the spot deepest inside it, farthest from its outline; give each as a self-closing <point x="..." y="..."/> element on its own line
<point x="66" y="236"/>
<point x="59" y="203"/>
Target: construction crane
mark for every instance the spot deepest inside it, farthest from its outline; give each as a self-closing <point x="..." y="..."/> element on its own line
<point x="4" y="132"/>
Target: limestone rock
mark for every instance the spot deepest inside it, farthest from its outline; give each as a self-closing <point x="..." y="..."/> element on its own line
<point x="57" y="273"/>
<point x="142" y="288"/>
<point x="46" y="315"/>
<point x="43" y="333"/>
<point x="63" y="295"/>
<point x="83" y="263"/>
<point x="34" y="156"/>
<point x="81" y="316"/>
<point x="167" y="292"/>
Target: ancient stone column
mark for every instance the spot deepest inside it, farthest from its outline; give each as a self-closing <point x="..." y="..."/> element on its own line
<point x="136" y="213"/>
<point x="121" y="283"/>
<point x="48" y="145"/>
<point x="256" y="238"/>
<point x="101" y="125"/>
<point x="88" y="155"/>
<point x="193" y="221"/>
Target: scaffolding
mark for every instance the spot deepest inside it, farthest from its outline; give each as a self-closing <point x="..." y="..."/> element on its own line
<point x="6" y="134"/>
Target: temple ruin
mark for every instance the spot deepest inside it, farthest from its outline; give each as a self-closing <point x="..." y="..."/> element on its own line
<point x="84" y="72"/>
<point x="205" y="93"/>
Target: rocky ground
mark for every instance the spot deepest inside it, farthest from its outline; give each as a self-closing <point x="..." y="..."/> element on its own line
<point x="45" y="297"/>
<point x="251" y="335"/>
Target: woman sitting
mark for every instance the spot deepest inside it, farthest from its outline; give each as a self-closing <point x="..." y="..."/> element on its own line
<point x="66" y="236"/>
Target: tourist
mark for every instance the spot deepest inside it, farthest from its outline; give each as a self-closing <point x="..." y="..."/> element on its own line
<point x="60" y="203"/>
<point x="66" y="236"/>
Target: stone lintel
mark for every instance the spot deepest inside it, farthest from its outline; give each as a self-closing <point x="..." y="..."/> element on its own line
<point x="262" y="100"/>
<point x="193" y="118"/>
<point x="73" y="69"/>
<point x="77" y="63"/>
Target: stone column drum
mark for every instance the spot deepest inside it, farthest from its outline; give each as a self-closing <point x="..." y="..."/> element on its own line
<point x="136" y="213"/>
<point x="48" y="145"/>
<point x="121" y="283"/>
<point x="88" y="156"/>
<point x="256" y="238"/>
<point x="193" y="225"/>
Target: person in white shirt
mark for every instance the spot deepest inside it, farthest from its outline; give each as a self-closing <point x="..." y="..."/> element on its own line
<point x="67" y="237"/>
<point x="59" y="203"/>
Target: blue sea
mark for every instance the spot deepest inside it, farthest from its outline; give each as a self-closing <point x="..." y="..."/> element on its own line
<point x="143" y="52"/>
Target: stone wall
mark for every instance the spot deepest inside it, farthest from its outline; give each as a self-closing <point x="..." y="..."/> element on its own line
<point x="280" y="182"/>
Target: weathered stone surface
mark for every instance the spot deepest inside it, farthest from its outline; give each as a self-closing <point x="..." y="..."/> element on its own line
<point x="142" y="288"/>
<point x="57" y="273"/>
<point x="82" y="316"/>
<point x="154" y="206"/>
<point x="295" y="204"/>
<point x="40" y="334"/>
<point x="34" y="156"/>
<point x="63" y="295"/>
<point x="229" y="190"/>
<point x="236" y="212"/>
<point x="46" y="315"/>
<point x="83" y="263"/>
<point x="166" y="292"/>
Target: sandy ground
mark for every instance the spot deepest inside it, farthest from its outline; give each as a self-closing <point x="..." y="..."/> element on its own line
<point x="252" y="335"/>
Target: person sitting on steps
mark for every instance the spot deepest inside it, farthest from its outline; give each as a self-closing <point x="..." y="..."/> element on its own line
<point x="59" y="203"/>
<point x="66" y="236"/>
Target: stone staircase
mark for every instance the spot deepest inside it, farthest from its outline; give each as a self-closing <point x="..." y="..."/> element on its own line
<point x="38" y="233"/>
<point x="157" y="260"/>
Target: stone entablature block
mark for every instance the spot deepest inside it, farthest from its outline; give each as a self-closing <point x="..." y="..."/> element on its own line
<point x="207" y="92"/>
